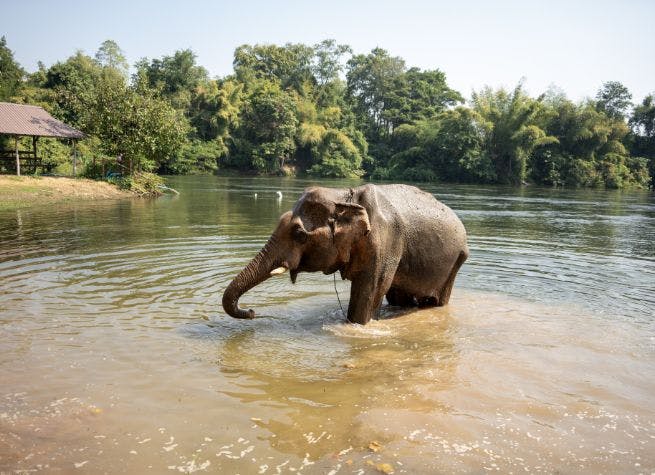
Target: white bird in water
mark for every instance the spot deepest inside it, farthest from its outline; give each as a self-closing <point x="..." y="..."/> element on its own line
<point x="255" y="195"/>
<point x="279" y="195"/>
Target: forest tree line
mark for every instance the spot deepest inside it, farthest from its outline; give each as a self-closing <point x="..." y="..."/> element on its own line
<point x="325" y="111"/>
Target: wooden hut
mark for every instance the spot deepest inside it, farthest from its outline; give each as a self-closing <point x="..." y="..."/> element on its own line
<point x="20" y="120"/>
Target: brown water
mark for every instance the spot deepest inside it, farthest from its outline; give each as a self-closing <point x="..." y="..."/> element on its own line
<point x="115" y="356"/>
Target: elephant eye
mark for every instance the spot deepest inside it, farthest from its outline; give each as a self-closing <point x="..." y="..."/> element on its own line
<point x="299" y="234"/>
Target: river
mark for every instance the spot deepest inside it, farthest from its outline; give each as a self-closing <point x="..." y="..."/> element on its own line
<point x="116" y="356"/>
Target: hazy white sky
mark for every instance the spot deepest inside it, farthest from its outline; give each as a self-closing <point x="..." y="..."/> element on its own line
<point x="576" y="45"/>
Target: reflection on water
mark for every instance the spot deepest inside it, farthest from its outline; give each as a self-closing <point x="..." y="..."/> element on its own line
<point x="115" y="356"/>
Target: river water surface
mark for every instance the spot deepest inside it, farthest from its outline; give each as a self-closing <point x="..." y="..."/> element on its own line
<point x="116" y="357"/>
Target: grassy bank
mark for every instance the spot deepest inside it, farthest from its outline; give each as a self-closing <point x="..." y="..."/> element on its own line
<point x="18" y="192"/>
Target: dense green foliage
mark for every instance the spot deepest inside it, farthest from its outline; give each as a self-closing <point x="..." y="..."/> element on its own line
<point x="10" y="72"/>
<point x="324" y="111"/>
<point x="643" y="133"/>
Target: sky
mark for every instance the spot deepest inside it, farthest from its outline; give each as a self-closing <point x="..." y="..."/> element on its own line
<point x="575" y="45"/>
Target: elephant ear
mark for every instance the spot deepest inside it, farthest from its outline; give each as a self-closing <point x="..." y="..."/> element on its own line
<point x="351" y="220"/>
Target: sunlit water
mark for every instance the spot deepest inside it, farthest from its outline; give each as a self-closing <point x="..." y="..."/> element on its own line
<point x="115" y="356"/>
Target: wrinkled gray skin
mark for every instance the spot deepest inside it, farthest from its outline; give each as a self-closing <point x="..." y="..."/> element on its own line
<point x="392" y="240"/>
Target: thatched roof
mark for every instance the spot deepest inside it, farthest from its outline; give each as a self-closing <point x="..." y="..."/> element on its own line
<point x="21" y="119"/>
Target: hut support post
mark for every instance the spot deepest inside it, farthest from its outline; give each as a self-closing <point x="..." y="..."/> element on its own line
<point x="74" y="160"/>
<point x="17" y="156"/>
<point x="36" y="158"/>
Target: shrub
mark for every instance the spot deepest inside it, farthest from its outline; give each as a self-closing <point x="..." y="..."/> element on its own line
<point x="141" y="183"/>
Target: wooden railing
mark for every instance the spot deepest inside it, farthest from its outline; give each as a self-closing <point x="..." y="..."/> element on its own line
<point x="29" y="161"/>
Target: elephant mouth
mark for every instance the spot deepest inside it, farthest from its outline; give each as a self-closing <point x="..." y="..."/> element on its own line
<point x="282" y="268"/>
<point x="293" y="273"/>
<point x="339" y="266"/>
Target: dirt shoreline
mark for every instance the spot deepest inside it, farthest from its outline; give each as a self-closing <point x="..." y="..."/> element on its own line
<point x="24" y="191"/>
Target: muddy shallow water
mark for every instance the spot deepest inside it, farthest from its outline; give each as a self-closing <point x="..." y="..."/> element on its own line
<point x="115" y="356"/>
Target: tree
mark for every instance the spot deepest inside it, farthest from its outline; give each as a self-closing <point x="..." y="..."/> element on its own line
<point x="265" y="138"/>
<point x="614" y="99"/>
<point x="589" y="150"/>
<point x="327" y="66"/>
<point x="513" y="133"/>
<point x="133" y="123"/>
<point x="370" y="80"/>
<point x="289" y="65"/>
<point x="73" y="83"/>
<point x="214" y="109"/>
<point x="328" y="144"/>
<point x="194" y="156"/>
<point x="288" y="108"/>
<point x="455" y="143"/>
<point x="11" y="74"/>
<point x="214" y="115"/>
<point x="448" y="147"/>
<point x="642" y="123"/>
<point x="110" y="55"/>
<point x="419" y="95"/>
<point x="327" y="63"/>
<point x="177" y="76"/>
<point x="336" y="156"/>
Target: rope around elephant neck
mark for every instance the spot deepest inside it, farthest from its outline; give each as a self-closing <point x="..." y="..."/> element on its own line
<point x="337" y="292"/>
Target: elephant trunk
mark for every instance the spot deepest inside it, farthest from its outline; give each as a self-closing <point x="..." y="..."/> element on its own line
<point x="258" y="270"/>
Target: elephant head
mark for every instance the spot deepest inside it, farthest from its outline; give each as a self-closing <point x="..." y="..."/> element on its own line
<point x="317" y="235"/>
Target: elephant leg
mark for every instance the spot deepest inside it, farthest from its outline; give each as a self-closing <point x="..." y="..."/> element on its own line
<point x="400" y="298"/>
<point x="444" y="294"/>
<point x="365" y="299"/>
<point x="366" y="294"/>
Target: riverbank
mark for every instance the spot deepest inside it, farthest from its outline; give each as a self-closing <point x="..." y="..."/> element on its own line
<point x="23" y="191"/>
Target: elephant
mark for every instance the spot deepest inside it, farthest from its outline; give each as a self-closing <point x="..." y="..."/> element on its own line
<point x="388" y="240"/>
